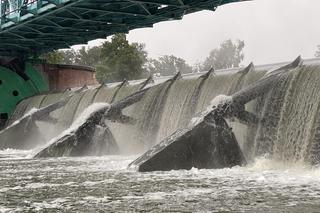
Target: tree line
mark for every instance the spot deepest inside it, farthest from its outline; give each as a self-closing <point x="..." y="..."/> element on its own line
<point x="117" y="59"/>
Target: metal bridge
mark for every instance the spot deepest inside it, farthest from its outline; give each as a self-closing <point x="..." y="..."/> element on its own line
<point x="32" y="27"/>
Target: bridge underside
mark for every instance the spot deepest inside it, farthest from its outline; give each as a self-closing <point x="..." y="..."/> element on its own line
<point x="32" y="27"/>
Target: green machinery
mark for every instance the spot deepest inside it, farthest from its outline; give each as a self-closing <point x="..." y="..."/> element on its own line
<point x="29" y="28"/>
<point x="15" y="87"/>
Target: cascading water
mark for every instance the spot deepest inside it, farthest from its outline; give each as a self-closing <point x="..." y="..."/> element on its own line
<point x="290" y="118"/>
<point x="280" y="149"/>
<point x="287" y="131"/>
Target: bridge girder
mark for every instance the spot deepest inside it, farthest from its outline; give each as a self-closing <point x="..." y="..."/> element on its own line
<point x="32" y="27"/>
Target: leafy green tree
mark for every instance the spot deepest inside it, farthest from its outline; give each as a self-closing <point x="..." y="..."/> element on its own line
<point x="121" y="60"/>
<point x="89" y="57"/>
<point x="54" y="57"/>
<point x="68" y="56"/>
<point x="84" y="56"/>
<point x="228" y="55"/>
<point x="168" y="65"/>
<point x="60" y="57"/>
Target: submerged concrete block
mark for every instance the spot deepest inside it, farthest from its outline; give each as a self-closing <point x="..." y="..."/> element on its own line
<point x="89" y="139"/>
<point x="210" y="144"/>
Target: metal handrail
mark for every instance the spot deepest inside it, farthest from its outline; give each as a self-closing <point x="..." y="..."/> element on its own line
<point x="21" y="5"/>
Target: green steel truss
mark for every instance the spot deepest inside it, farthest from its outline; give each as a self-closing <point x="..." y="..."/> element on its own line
<point x="31" y="27"/>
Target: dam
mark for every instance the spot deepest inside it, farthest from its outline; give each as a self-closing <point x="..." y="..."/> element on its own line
<point x="281" y="149"/>
<point x="244" y="139"/>
<point x="176" y="103"/>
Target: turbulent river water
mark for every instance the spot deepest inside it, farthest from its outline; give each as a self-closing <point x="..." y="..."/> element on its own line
<point x="104" y="184"/>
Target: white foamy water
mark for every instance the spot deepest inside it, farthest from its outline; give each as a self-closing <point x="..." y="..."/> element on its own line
<point x="91" y="184"/>
<point x="218" y="100"/>
<point x="14" y="154"/>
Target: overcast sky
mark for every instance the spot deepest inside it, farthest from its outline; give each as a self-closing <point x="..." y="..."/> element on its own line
<point x="273" y="31"/>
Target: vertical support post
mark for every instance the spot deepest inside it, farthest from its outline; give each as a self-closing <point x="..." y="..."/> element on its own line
<point x="19" y="2"/>
<point x="39" y="4"/>
<point x="2" y="10"/>
<point x="1" y="2"/>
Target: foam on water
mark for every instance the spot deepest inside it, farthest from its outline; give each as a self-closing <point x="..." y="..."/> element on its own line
<point x="89" y="184"/>
<point x="14" y="153"/>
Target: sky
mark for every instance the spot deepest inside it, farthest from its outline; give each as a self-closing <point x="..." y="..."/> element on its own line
<point x="273" y="31"/>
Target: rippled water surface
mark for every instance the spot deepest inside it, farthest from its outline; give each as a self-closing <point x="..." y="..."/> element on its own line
<point x="98" y="184"/>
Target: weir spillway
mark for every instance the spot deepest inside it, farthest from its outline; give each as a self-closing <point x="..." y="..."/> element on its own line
<point x="288" y="128"/>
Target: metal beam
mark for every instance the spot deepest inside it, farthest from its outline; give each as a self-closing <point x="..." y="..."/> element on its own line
<point x="43" y="25"/>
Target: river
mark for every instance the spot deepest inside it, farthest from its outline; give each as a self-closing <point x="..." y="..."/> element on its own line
<point x="104" y="184"/>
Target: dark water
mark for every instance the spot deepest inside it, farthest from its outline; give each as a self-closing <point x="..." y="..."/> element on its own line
<point x="104" y="184"/>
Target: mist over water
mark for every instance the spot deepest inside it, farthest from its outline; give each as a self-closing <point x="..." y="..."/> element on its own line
<point x="281" y="150"/>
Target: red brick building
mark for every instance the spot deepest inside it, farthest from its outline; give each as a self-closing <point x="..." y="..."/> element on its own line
<point x="61" y="77"/>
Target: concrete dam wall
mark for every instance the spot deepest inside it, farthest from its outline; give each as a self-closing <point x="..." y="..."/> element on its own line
<point x="288" y="127"/>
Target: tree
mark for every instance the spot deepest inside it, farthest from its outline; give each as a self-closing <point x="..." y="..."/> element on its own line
<point x="168" y="65"/>
<point x="121" y="60"/>
<point x="318" y="52"/>
<point x="54" y="57"/>
<point x="198" y="67"/>
<point x="84" y="56"/>
<point x="228" y="55"/>
<point x="88" y="57"/>
<point x="68" y="56"/>
<point x="60" y="57"/>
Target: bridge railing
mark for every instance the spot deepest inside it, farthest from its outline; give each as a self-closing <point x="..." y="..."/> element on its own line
<point x="13" y="11"/>
<point x="9" y="8"/>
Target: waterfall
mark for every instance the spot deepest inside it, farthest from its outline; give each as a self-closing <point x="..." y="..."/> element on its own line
<point x="290" y="131"/>
<point x="289" y="128"/>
